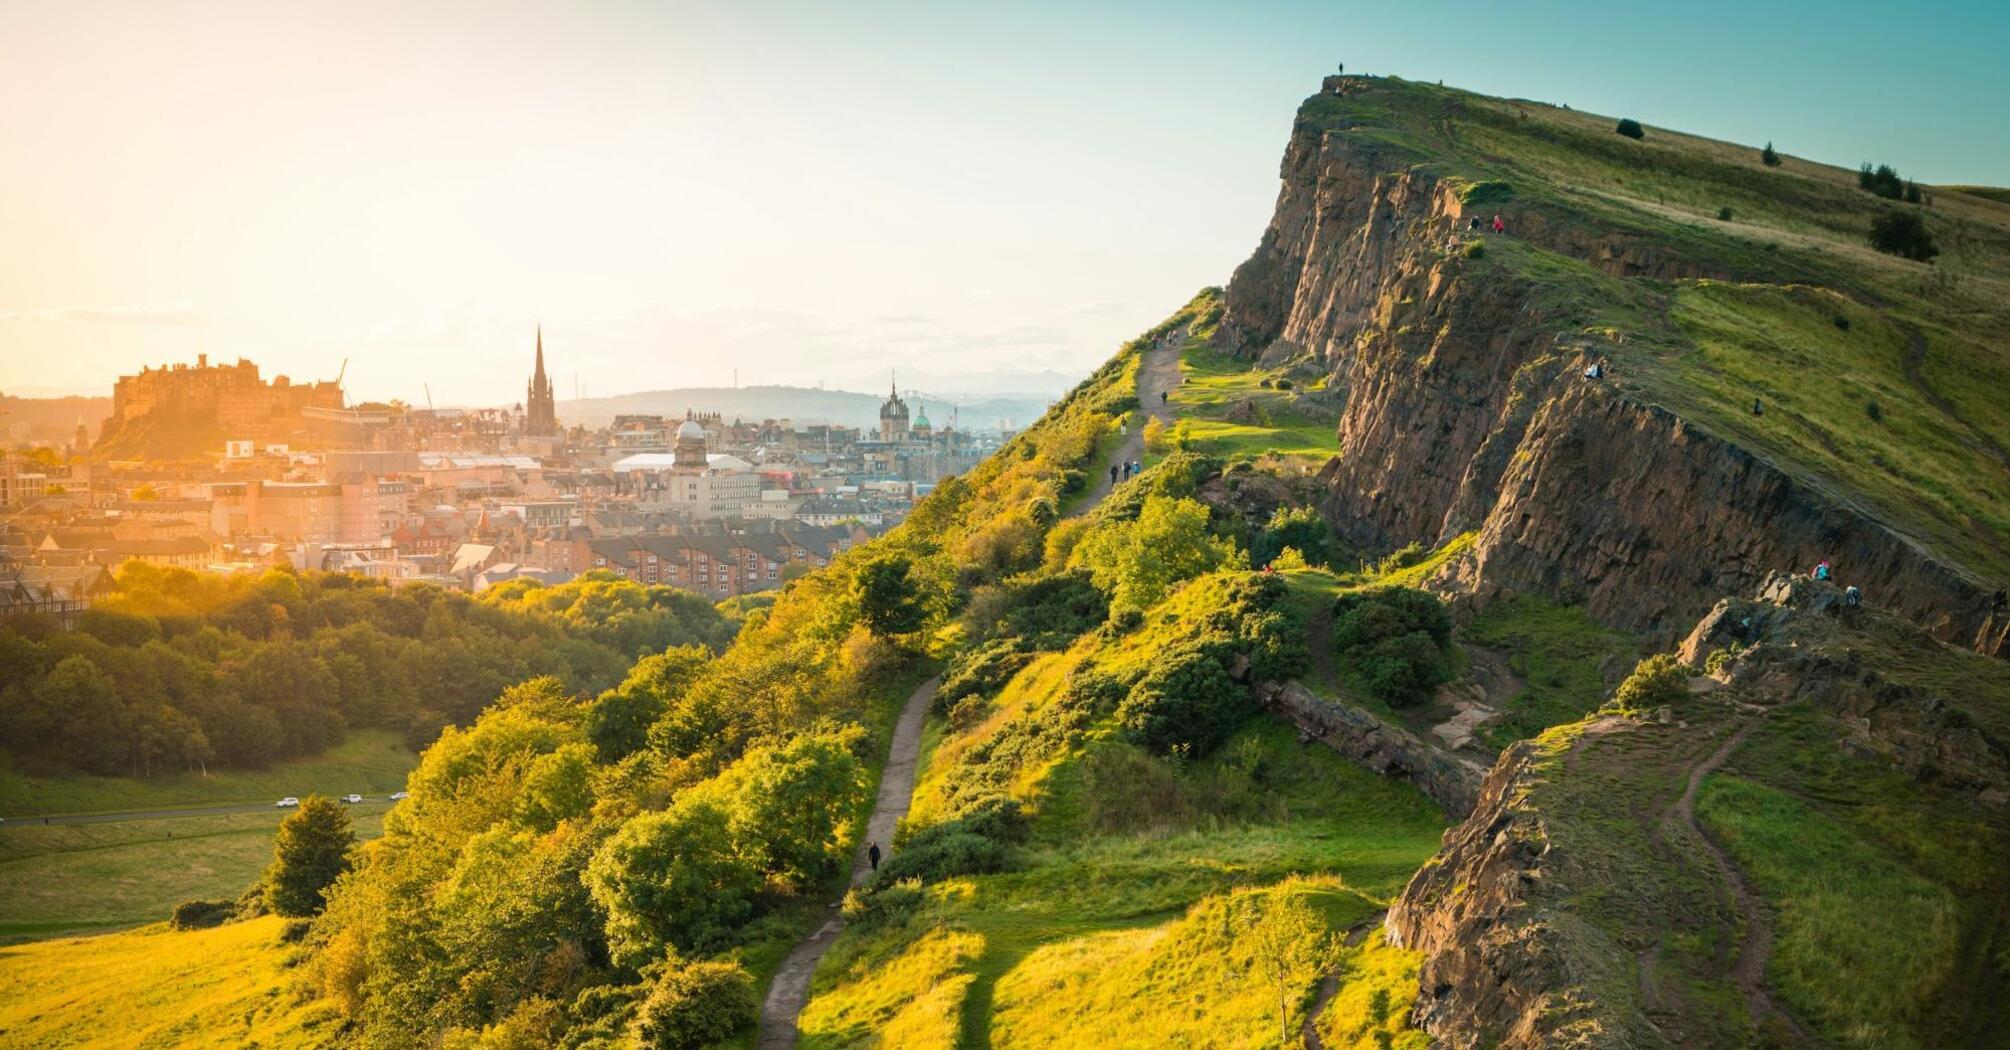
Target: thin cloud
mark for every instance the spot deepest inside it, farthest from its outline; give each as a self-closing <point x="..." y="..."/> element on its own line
<point x="179" y="316"/>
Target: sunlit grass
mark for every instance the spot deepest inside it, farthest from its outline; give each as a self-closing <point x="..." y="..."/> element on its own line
<point x="370" y="762"/>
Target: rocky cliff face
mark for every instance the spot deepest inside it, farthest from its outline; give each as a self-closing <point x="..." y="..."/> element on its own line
<point x="1462" y="409"/>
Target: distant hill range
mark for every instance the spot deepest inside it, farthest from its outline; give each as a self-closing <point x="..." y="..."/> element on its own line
<point x="53" y="418"/>
<point x="807" y="405"/>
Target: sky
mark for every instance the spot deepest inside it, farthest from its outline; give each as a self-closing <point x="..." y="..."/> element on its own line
<point x="977" y="194"/>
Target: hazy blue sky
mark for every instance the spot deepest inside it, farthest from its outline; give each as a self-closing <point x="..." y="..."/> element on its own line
<point x="803" y="191"/>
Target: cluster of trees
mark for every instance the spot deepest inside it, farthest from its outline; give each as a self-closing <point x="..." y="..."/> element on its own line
<point x="1398" y="639"/>
<point x="1903" y="233"/>
<point x="180" y="670"/>
<point x="1883" y="180"/>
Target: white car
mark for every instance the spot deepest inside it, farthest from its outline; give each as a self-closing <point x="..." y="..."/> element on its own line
<point x="352" y="798"/>
<point x="400" y="796"/>
<point x="287" y="803"/>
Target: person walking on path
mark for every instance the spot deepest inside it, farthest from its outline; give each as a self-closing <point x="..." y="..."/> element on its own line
<point x="1113" y="473"/>
<point x="1499" y="226"/>
<point x="872" y="854"/>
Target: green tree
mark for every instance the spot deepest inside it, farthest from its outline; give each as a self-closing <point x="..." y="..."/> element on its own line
<point x="1138" y="562"/>
<point x="696" y="1005"/>
<point x="1186" y="704"/>
<point x="1768" y="157"/>
<point x="1290" y="946"/>
<point x="1396" y="639"/>
<point x="672" y="878"/>
<point x="77" y="714"/>
<point x="309" y="854"/>
<point x="885" y="590"/>
<point x="618" y="720"/>
<point x="557" y="787"/>
<point x="1656" y="681"/>
<point x="1630" y="128"/>
<point x="789" y="801"/>
<point x="1903" y="233"/>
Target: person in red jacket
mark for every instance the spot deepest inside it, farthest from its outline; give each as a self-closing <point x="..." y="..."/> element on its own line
<point x="1499" y="226"/>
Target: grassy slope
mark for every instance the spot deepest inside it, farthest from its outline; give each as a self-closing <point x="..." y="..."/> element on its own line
<point x="371" y="762"/>
<point x="70" y="878"/>
<point x="1215" y="383"/>
<point x="157" y="988"/>
<point x="1932" y="468"/>
<point x="1125" y="850"/>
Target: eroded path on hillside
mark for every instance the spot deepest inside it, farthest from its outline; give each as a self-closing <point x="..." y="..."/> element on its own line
<point x="1158" y="375"/>
<point x="790" y="991"/>
<point x="1755" y="943"/>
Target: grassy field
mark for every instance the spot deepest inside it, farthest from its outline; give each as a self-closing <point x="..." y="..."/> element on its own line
<point x="1861" y="941"/>
<point x="1556" y="650"/>
<point x="1131" y="863"/>
<point x="370" y="762"/>
<point x="157" y="988"/>
<point x="1217" y="386"/>
<point x="73" y="878"/>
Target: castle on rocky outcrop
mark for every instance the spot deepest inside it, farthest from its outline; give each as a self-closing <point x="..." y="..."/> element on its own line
<point x="232" y="397"/>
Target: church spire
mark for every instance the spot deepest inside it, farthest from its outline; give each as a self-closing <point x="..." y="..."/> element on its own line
<point x="542" y="415"/>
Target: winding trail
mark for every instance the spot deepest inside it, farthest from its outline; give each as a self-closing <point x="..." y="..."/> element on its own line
<point x="1158" y="374"/>
<point x="790" y="991"/>
<point x="1755" y="947"/>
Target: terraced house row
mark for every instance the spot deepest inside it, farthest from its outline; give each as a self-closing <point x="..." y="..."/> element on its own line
<point x="719" y="565"/>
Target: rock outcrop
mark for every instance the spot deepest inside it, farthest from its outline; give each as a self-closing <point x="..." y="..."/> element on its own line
<point x="1463" y="409"/>
<point x="1449" y="778"/>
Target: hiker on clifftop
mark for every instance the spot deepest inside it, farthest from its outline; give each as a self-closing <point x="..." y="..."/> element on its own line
<point x="1852" y="597"/>
<point x="872" y="854"/>
<point x="1822" y="570"/>
<point x="1499" y="226"/>
<point x="1596" y="371"/>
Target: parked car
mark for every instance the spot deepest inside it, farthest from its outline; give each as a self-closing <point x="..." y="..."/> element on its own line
<point x="287" y="803"/>
<point x="400" y="796"/>
<point x="352" y="798"/>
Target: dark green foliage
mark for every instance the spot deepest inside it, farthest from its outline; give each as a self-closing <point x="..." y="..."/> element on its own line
<point x="1769" y="157"/>
<point x="1874" y="410"/>
<point x="1300" y="528"/>
<point x="180" y="671"/>
<point x="198" y="915"/>
<point x="1911" y="192"/>
<point x="980" y="671"/>
<point x="1177" y="476"/>
<point x="672" y="878"/>
<point x="1903" y="233"/>
<point x="1487" y="194"/>
<point x="1842" y="321"/>
<point x="1724" y="214"/>
<point x="1050" y="612"/>
<point x="1186" y="704"/>
<point x="696" y="1005"/>
<point x="1882" y="180"/>
<point x="618" y="721"/>
<point x="309" y="854"/>
<point x="974" y="843"/>
<point x="1655" y="682"/>
<point x="1631" y="128"/>
<point x="886" y="592"/>
<point x="1396" y="639"/>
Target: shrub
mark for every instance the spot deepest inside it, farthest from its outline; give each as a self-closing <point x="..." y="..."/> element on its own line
<point x="1299" y="528"/>
<point x="1768" y="157"/>
<point x="1903" y="233"/>
<point x="1396" y="638"/>
<point x="1882" y="180"/>
<point x="1402" y="558"/>
<point x="198" y="915"/>
<point x="1842" y="321"/>
<point x="1475" y="248"/>
<point x="1911" y="192"/>
<point x="1630" y="128"/>
<point x="1051" y="612"/>
<point x="942" y="852"/>
<point x="696" y="1005"/>
<point x="672" y="877"/>
<point x="1655" y="682"/>
<point x="1284" y="384"/>
<point x="1874" y="410"/>
<point x="1723" y="214"/>
<point x="1186" y="704"/>
<point x="979" y="671"/>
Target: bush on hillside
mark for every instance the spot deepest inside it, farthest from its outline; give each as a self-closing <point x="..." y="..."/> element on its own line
<point x="979" y="672"/>
<point x="1903" y="233"/>
<point x="946" y="850"/>
<point x="1300" y="528"/>
<point x="1874" y="410"/>
<point x="1050" y="612"/>
<point x="1630" y="128"/>
<point x="198" y="915"/>
<point x="1769" y="157"/>
<point x="1186" y="705"/>
<point x="1882" y="180"/>
<point x="1724" y="214"/>
<point x="1655" y="682"/>
<point x="696" y="1005"/>
<point x="1912" y="195"/>
<point x="1397" y="639"/>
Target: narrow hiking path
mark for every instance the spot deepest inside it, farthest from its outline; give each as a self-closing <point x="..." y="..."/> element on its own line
<point x="1755" y="945"/>
<point x="1329" y="985"/>
<point x="790" y="991"/>
<point x="1158" y="374"/>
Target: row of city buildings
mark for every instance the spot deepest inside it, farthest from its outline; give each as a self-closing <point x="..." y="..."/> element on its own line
<point x="461" y="499"/>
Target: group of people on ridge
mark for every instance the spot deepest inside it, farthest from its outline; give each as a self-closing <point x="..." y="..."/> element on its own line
<point x="1128" y="468"/>
<point x="1852" y="597"/>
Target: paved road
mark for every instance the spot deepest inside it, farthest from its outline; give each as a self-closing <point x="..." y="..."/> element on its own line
<point x="157" y="814"/>
<point x="790" y="991"/>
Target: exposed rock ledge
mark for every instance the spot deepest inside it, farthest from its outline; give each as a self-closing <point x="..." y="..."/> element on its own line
<point x="1453" y="780"/>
